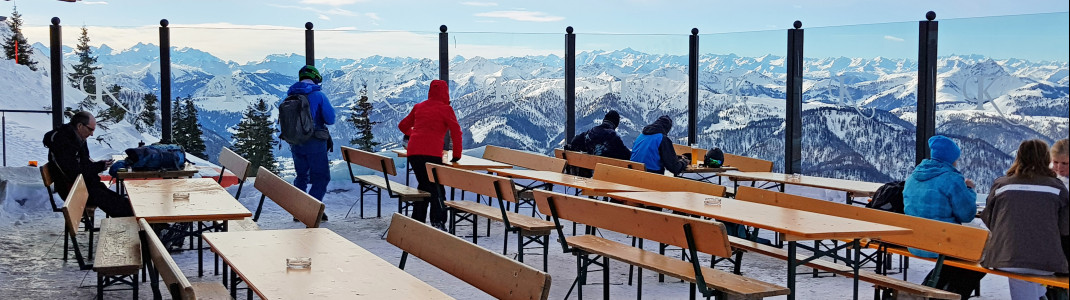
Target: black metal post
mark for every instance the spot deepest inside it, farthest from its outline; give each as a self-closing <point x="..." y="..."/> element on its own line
<point x="570" y="84"/>
<point x="165" y="82"/>
<point x="927" y="41"/>
<point x="55" y="49"/>
<point x="443" y="54"/>
<point x="692" y="90"/>
<point x="793" y="111"/>
<point x="310" y="45"/>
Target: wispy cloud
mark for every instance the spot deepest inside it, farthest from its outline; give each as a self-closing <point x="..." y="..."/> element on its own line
<point x="95" y="2"/>
<point x="331" y="2"/>
<point x="521" y="15"/>
<point x="894" y="39"/>
<point x="484" y="4"/>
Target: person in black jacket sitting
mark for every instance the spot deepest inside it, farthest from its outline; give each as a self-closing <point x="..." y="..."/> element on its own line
<point x="601" y="140"/>
<point x="68" y="156"/>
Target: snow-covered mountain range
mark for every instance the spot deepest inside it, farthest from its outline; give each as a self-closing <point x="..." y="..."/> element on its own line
<point x="858" y="113"/>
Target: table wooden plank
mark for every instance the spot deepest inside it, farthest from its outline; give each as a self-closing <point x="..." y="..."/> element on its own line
<point x="340" y="269"/>
<point x="589" y="186"/>
<point x="467" y="162"/>
<point x="856" y="188"/>
<point x="797" y="224"/>
<point x="153" y="201"/>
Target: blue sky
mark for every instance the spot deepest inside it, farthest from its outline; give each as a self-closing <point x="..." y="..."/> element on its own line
<point x="245" y="30"/>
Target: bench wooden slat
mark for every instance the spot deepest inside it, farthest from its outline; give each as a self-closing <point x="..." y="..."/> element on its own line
<point x="298" y="203"/>
<point x="497" y="275"/>
<point x="867" y="276"/>
<point x="656" y="182"/>
<point x="949" y="239"/>
<point x="369" y="160"/>
<point x="731" y="283"/>
<point x="527" y="160"/>
<point x="119" y="247"/>
<point x="524" y="222"/>
<point x="588" y="161"/>
<point x="407" y="193"/>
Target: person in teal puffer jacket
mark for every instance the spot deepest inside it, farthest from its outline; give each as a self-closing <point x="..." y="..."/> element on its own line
<point x="938" y="191"/>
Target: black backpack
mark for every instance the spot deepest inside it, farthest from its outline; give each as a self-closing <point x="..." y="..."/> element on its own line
<point x="889" y="197"/>
<point x="295" y="119"/>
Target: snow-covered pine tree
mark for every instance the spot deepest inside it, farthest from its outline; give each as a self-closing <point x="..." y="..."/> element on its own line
<point x="359" y="118"/>
<point x="194" y="135"/>
<point x="16" y="46"/>
<point x="255" y="138"/>
<point x="82" y="77"/>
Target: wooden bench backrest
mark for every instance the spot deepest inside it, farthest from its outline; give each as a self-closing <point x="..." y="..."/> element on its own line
<point x="953" y="240"/>
<point x="300" y="204"/>
<point x="169" y="271"/>
<point x="523" y="159"/>
<point x="497" y="275"/>
<point x="710" y="237"/>
<point x="588" y="161"/>
<point x="74" y="206"/>
<point x="478" y="183"/>
<point x="234" y="163"/>
<point x="747" y="164"/>
<point x="655" y="182"/>
<point x="369" y="160"/>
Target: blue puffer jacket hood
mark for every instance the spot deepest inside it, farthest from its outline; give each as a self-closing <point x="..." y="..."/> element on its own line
<point x="302" y="87"/>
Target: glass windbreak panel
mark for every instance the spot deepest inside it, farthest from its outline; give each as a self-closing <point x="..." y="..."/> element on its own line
<point x="859" y="86"/>
<point x="741" y="94"/>
<point x="507" y="89"/>
<point x="641" y="76"/>
<point x="393" y="69"/>
<point x="1001" y="81"/>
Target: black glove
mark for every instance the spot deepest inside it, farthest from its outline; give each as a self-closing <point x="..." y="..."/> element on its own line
<point x="455" y="159"/>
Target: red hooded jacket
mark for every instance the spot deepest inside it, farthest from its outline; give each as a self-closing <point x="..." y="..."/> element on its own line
<point x="428" y="121"/>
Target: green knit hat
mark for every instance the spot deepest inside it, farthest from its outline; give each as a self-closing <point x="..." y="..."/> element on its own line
<point x="310" y="72"/>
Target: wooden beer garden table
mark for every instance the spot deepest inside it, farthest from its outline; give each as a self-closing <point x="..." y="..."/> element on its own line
<point x="795" y="225"/>
<point x="852" y="187"/>
<point x="340" y="269"/>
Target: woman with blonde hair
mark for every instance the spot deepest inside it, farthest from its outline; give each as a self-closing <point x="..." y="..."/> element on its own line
<point x="1028" y="212"/>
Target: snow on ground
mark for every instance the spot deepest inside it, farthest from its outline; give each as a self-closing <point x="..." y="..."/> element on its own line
<point x="31" y="264"/>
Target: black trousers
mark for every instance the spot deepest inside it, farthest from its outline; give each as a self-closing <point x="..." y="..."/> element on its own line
<point x="438" y="209"/>
<point x="109" y="201"/>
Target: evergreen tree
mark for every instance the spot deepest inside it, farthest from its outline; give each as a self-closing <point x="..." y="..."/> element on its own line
<point x="82" y="77"/>
<point x="359" y="117"/>
<point x="146" y="120"/>
<point x="178" y="125"/>
<point x="16" y="47"/>
<point x="193" y="134"/>
<point x="255" y="138"/>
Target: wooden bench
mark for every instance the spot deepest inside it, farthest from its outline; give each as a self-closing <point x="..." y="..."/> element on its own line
<point x="490" y="272"/>
<point x="88" y="218"/>
<point x="527" y="160"/>
<point x="118" y="251"/>
<point x="589" y="161"/>
<point x="694" y="234"/>
<point x="301" y="205"/>
<point x="375" y="183"/>
<point x="958" y="245"/>
<point x="178" y="287"/>
<point x="528" y="229"/>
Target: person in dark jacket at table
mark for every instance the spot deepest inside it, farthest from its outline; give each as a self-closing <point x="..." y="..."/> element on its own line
<point x="1028" y="213"/>
<point x="601" y="140"/>
<point x="654" y="148"/>
<point x="68" y="157"/>
<point x="426" y="126"/>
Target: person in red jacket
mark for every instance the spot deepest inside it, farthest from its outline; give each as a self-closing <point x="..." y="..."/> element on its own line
<point x="426" y="127"/>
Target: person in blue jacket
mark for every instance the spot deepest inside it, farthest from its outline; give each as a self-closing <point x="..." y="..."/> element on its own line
<point x="937" y="190"/>
<point x="310" y="157"/>
<point x="654" y="148"/>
